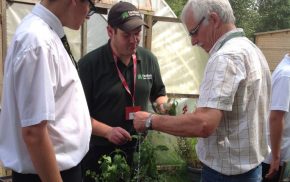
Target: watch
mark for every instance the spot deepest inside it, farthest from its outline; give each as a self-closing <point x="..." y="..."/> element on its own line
<point x="148" y="122"/>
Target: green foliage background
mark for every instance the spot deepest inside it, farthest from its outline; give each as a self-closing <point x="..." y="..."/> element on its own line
<point x="274" y="14"/>
<point x="253" y="15"/>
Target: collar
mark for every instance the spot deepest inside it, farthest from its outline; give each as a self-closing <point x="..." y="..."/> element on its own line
<point x="48" y="17"/>
<point x="221" y="40"/>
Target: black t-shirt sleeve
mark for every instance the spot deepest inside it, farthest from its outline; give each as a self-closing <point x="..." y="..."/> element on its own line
<point x="158" y="87"/>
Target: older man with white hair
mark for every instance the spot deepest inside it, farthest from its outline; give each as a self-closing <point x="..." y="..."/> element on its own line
<point x="232" y="110"/>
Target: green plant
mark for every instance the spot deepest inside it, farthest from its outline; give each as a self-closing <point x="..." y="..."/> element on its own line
<point x="168" y="108"/>
<point x="117" y="169"/>
<point x="113" y="169"/>
<point x="186" y="150"/>
<point x="145" y="162"/>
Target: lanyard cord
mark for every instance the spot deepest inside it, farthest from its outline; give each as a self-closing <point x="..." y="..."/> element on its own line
<point x="67" y="48"/>
<point x="124" y="82"/>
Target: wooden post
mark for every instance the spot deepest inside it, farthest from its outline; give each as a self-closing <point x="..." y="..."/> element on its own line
<point x="148" y="32"/>
<point x="84" y="39"/>
<point x="3" y="40"/>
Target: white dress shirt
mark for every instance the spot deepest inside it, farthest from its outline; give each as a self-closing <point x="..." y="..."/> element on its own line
<point x="41" y="83"/>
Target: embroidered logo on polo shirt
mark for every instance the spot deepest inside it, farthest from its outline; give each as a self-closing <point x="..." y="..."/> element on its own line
<point x="144" y="76"/>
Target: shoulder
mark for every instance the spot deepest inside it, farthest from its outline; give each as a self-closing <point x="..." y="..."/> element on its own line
<point x="34" y="37"/>
<point x="94" y="55"/>
<point x="283" y="67"/>
<point x="146" y="55"/>
<point x="143" y="50"/>
<point x="242" y="52"/>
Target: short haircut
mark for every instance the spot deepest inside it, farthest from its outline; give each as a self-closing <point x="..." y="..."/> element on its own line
<point x="202" y="8"/>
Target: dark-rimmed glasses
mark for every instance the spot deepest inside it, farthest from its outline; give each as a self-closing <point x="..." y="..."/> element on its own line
<point x="194" y="31"/>
<point x="93" y="9"/>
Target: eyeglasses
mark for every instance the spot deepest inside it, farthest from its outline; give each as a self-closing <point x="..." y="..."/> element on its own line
<point x="93" y="9"/>
<point x="194" y="31"/>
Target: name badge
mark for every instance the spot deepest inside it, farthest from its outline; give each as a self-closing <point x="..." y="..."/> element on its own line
<point x="130" y="111"/>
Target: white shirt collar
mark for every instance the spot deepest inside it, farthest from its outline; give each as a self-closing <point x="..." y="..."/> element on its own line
<point x="47" y="16"/>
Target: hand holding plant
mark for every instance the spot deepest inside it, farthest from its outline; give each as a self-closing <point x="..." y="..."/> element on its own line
<point x="168" y="108"/>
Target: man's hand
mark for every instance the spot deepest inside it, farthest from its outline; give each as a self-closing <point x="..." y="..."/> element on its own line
<point x="118" y="136"/>
<point x="274" y="168"/>
<point x="139" y="121"/>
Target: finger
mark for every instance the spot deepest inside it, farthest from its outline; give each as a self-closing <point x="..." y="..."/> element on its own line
<point x="121" y="140"/>
<point x="125" y="134"/>
<point x="115" y="137"/>
<point x="270" y="175"/>
<point x="116" y="141"/>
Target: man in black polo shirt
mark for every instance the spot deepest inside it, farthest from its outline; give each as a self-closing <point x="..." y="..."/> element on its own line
<point x="119" y="78"/>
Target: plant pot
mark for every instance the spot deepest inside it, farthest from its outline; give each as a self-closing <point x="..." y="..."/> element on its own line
<point x="194" y="174"/>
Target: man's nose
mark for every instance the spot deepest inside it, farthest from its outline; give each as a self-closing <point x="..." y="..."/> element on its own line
<point x="193" y="40"/>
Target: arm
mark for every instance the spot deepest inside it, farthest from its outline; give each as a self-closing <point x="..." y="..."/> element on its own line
<point x="276" y="125"/>
<point x="116" y="135"/>
<point x="201" y="123"/>
<point x="41" y="152"/>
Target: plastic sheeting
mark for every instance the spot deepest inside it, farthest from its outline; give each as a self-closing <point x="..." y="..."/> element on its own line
<point x="181" y="64"/>
<point x="15" y="13"/>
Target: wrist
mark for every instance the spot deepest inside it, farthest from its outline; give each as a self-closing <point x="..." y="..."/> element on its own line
<point x="107" y="132"/>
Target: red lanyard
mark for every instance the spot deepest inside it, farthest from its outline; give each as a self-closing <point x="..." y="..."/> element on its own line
<point x="123" y="79"/>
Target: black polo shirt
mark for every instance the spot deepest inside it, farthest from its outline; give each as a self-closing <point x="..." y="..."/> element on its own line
<point x="105" y="94"/>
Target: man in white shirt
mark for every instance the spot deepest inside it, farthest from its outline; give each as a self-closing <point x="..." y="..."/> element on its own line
<point x="279" y="122"/>
<point x="232" y="110"/>
<point x="45" y="125"/>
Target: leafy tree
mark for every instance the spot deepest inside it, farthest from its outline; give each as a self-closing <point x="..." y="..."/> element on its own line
<point x="176" y="6"/>
<point x="253" y="15"/>
<point x="246" y="14"/>
<point x="275" y="15"/>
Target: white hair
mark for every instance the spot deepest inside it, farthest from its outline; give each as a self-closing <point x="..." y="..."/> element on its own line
<point x="202" y="8"/>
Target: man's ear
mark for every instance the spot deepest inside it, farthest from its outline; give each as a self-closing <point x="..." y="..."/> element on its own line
<point x="215" y="19"/>
<point x="74" y="2"/>
<point x="110" y="31"/>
